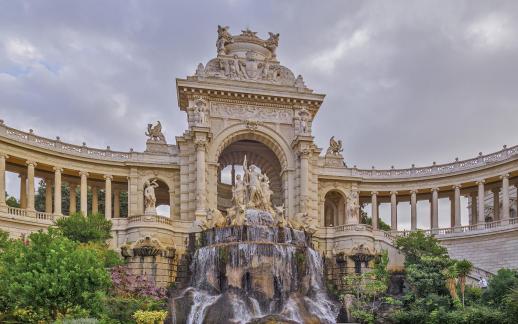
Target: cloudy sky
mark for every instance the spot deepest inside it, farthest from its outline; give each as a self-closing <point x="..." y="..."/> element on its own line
<point x="406" y="82"/>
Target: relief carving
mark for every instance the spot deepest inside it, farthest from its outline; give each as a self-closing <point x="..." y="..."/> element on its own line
<point x="265" y="114"/>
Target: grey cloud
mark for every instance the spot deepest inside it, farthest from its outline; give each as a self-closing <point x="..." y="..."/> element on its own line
<point x="406" y="82"/>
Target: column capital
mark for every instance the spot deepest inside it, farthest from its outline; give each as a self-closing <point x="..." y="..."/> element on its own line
<point x="456" y="186"/>
<point x="31" y="163"/>
<point x="57" y="169"/>
<point x="108" y="177"/>
<point x="434" y="189"/>
<point x="480" y="181"/>
<point x="83" y="173"/>
<point x="4" y="156"/>
<point x="200" y="144"/>
<point x="374" y="193"/>
<point x="414" y="191"/>
<point x="305" y="153"/>
<point x="505" y="175"/>
<point x="393" y="193"/>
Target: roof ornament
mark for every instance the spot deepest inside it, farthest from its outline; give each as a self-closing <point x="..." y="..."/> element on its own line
<point x="224" y="38"/>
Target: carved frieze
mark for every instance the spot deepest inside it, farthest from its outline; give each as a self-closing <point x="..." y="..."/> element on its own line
<point x="264" y="114"/>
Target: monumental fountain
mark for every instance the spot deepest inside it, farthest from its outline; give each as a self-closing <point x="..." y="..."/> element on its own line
<point x="254" y="265"/>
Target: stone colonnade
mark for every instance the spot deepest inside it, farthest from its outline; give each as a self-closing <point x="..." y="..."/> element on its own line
<point x="478" y="197"/>
<point x="53" y="202"/>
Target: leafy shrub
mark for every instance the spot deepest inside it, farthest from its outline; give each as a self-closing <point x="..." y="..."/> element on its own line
<point x="84" y="229"/>
<point x="150" y="317"/>
<point x="49" y="276"/>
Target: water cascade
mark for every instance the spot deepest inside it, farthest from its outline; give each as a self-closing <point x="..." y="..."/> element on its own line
<point x="256" y="272"/>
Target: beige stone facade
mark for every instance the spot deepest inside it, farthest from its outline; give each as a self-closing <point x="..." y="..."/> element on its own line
<point x="245" y="103"/>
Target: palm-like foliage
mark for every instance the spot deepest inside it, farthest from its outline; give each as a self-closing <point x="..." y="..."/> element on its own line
<point x="463" y="268"/>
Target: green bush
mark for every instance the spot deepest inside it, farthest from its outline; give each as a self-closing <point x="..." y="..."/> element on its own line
<point x="84" y="229"/>
<point x="49" y="276"/>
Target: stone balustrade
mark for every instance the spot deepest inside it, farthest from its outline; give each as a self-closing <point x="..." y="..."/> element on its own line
<point x="13" y="211"/>
<point x="83" y="150"/>
<point x="440" y="169"/>
<point x="151" y="219"/>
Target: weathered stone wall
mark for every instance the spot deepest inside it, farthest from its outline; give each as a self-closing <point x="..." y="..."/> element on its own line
<point x="488" y="250"/>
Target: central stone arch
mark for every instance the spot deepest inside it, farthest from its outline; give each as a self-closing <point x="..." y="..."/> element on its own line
<point x="265" y="148"/>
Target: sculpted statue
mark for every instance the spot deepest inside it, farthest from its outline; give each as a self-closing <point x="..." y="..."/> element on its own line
<point x="149" y="196"/>
<point x="199" y="113"/>
<point x="200" y="70"/>
<point x="266" y="192"/>
<point x="304" y="121"/>
<point x="239" y="191"/>
<point x="271" y="43"/>
<point x="155" y="132"/>
<point x="254" y="186"/>
<point x="218" y="220"/>
<point x="224" y="38"/>
<point x="353" y="208"/>
<point x="279" y="214"/>
<point x="335" y="147"/>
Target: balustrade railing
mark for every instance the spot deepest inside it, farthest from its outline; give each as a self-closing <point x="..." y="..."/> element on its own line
<point x="479" y="161"/>
<point x="16" y="211"/>
<point x="57" y="145"/>
<point x="46" y="216"/>
<point x="150" y="218"/>
<point x="438" y="231"/>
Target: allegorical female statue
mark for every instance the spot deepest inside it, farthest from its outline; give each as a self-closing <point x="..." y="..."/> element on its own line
<point x="149" y="196"/>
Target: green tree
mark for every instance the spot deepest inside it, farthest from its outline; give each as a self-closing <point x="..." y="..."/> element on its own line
<point x="500" y="285"/>
<point x="12" y="201"/>
<point x="50" y="276"/>
<point x="464" y="267"/>
<point x="365" y="219"/>
<point x="417" y="245"/>
<point x="90" y="228"/>
<point x="370" y="290"/>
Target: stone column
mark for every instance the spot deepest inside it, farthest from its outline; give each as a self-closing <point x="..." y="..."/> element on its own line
<point x="95" y="200"/>
<point x="23" y="191"/>
<point x="474" y="209"/>
<point x="73" y="198"/>
<point x="108" y="196"/>
<point x="505" y="196"/>
<point x="480" y="199"/>
<point x="413" y="210"/>
<point x="57" y="190"/>
<point x="374" y="205"/>
<point x="84" y="192"/>
<point x="116" y="203"/>
<point x="48" y="196"/>
<point x="3" y="204"/>
<point x="456" y="203"/>
<point x="496" y="203"/>
<point x="304" y="176"/>
<point x="435" y="209"/>
<point x="201" y="190"/>
<point x="393" y="210"/>
<point x="30" y="184"/>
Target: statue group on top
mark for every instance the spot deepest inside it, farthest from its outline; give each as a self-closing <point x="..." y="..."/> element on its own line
<point x="335" y="147"/>
<point x="251" y="66"/>
<point x="155" y="132"/>
<point x="253" y="190"/>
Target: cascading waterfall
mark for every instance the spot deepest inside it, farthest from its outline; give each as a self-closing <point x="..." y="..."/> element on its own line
<point x="254" y="273"/>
